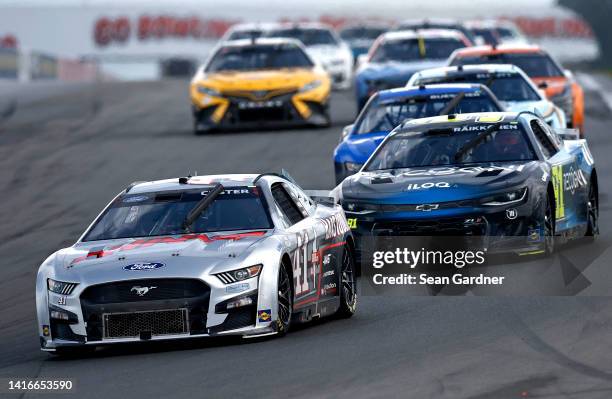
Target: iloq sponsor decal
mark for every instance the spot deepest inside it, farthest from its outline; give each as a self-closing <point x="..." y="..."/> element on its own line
<point x="143" y="266"/>
<point x="425" y="186"/>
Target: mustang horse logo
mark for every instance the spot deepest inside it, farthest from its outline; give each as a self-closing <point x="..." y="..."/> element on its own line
<point x="141" y="291"/>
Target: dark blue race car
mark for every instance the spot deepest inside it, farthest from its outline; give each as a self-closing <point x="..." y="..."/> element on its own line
<point x="389" y="108"/>
<point x="395" y="56"/>
<point x="506" y="177"/>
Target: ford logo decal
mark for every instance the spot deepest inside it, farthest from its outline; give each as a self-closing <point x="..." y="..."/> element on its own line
<point x="143" y="266"/>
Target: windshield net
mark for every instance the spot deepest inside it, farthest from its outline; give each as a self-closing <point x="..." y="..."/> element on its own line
<point x="245" y="58"/>
<point x="164" y="213"/>
<point x="386" y="115"/>
<point x="507" y="86"/>
<point x="505" y="142"/>
<point x="245" y="34"/>
<point x="415" y="49"/>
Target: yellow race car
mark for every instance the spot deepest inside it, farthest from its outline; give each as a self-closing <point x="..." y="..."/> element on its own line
<point x="253" y="82"/>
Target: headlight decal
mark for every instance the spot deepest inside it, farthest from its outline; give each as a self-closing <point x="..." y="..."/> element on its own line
<point x="310" y="86"/>
<point x="239" y="274"/>
<point x="208" y="91"/>
<point x="60" y="287"/>
<point x="507" y="198"/>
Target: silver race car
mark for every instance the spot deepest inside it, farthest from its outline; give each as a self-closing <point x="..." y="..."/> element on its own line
<point x="198" y="256"/>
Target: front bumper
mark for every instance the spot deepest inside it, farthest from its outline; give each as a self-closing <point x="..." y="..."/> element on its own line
<point x="182" y="308"/>
<point x="231" y="111"/>
<point x="341" y="74"/>
<point x="498" y="234"/>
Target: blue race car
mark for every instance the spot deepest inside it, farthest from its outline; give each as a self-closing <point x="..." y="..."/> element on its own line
<point x="395" y="56"/>
<point x="506" y="177"/>
<point x="389" y="108"/>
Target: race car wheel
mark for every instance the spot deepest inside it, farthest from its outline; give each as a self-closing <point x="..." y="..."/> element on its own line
<point x="348" y="285"/>
<point x="197" y="130"/>
<point x="592" y="213"/>
<point x="549" y="228"/>
<point x="285" y="301"/>
<point x="327" y="116"/>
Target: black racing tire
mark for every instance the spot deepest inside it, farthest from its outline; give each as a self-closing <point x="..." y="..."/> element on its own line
<point x="327" y="116"/>
<point x="196" y="130"/>
<point x="549" y="227"/>
<point x="592" y="230"/>
<point x="348" y="285"/>
<point x="285" y="301"/>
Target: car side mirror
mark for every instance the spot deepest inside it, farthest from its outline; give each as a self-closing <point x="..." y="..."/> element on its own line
<point x="568" y="74"/>
<point x="347" y="130"/>
<point x="543" y="85"/>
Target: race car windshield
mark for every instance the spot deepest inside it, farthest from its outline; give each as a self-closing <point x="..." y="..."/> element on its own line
<point x="506" y="33"/>
<point x="533" y="64"/>
<point x="504" y="142"/>
<point x="361" y="33"/>
<point x="245" y="34"/>
<point x="164" y="213"/>
<point x="382" y="116"/>
<point x="248" y="58"/>
<point x="310" y="37"/>
<point x="415" y="49"/>
<point x="489" y="36"/>
<point x="507" y="86"/>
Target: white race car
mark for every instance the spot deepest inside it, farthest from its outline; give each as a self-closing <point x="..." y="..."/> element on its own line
<point x="509" y="83"/>
<point x="198" y="256"/>
<point x="325" y="46"/>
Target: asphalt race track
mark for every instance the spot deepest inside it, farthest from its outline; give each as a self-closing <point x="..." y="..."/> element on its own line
<point x="65" y="154"/>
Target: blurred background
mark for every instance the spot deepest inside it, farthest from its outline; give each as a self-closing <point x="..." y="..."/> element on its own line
<point x="81" y="40"/>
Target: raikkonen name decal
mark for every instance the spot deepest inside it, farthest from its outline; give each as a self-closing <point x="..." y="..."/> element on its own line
<point x="482" y="128"/>
<point x="335" y="226"/>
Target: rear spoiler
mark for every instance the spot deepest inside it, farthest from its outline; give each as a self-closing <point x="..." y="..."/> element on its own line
<point x="567" y="134"/>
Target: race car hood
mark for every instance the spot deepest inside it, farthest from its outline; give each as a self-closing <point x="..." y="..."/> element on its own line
<point x="437" y="184"/>
<point x="324" y="52"/>
<point x="290" y="78"/>
<point x="395" y="71"/>
<point x="179" y="256"/>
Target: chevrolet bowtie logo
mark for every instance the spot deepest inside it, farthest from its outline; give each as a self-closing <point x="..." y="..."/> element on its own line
<point x="427" y="207"/>
<point x="260" y="93"/>
<point x="141" y="291"/>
